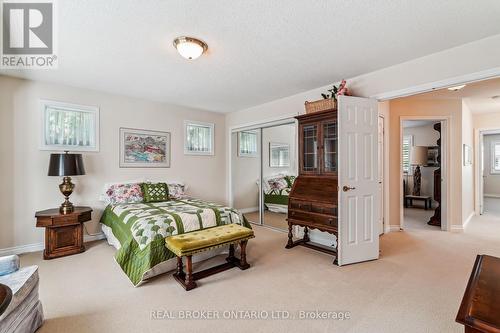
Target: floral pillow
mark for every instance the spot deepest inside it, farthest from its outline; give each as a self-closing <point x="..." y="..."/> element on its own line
<point x="124" y="193"/>
<point x="277" y="184"/>
<point x="176" y="191"/>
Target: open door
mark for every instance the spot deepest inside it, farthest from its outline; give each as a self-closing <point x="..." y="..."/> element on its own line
<point x="481" y="173"/>
<point x="358" y="180"/>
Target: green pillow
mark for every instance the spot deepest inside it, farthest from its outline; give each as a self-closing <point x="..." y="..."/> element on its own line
<point x="155" y="192"/>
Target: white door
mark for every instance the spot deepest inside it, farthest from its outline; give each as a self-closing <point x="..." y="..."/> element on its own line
<point x="481" y="173"/>
<point x="358" y="180"/>
<point x="381" y="174"/>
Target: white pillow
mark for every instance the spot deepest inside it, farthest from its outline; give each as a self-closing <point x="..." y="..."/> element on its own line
<point x="104" y="197"/>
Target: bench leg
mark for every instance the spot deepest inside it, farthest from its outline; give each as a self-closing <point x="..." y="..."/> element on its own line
<point x="243" y="258"/>
<point x="180" y="269"/>
<point x="230" y="257"/>
<point x="189" y="282"/>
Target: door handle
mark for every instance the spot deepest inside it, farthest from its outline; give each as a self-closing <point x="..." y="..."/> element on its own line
<point x="347" y="188"/>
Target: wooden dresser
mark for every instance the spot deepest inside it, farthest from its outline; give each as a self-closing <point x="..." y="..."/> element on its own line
<point x="480" y="307"/>
<point x="313" y="199"/>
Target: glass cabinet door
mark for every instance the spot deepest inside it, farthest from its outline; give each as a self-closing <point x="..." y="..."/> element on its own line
<point x="330" y="147"/>
<point x="310" y="148"/>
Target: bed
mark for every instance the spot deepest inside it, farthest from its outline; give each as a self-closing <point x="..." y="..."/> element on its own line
<point x="138" y="231"/>
<point x="276" y="191"/>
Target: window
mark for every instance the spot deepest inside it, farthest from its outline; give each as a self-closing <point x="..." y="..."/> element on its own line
<point x="69" y="127"/>
<point x="198" y="138"/>
<point x="407" y="144"/>
<point x="247" y="143"/>
<point x="279" y="155"/>
<point x="495" y="157"/>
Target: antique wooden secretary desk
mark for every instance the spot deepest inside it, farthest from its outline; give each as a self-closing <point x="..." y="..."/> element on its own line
<point x="337" y="188"/>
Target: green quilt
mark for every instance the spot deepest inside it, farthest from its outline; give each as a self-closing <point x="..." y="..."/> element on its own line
<point x="141" y="229"/>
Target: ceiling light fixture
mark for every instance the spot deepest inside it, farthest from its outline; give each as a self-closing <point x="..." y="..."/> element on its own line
<point x="189" y="47"/>
<point x="456" y="88"/>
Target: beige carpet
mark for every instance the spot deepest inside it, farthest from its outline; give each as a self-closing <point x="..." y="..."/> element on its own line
<point x="271" y="219"/>
<point x="416" y="286"/>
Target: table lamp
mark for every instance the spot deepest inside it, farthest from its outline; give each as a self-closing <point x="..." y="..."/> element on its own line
<point x="418" y="157"/>
<point x="66" y="165"/>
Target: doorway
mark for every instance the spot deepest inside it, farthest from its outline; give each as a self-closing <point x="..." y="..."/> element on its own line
<point x="489" y="172"/>
<point x="424" y="160"/>
<point x="263" y="170"/>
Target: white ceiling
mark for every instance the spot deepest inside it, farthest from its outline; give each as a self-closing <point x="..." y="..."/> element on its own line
<point x="477" y="95"/>
<point x="259" y="50"/>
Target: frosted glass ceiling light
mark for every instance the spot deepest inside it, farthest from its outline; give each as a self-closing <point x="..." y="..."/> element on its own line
<point x="189" y="47"/>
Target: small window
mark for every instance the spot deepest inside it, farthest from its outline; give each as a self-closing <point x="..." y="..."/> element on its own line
<point x="198" y="138"/>
<point x="247" y="143"/>
<point x="279" y="155"/>
<point x="495" y="157"/>
<point x="407" y="144"/>
<point x="69" y="127"/>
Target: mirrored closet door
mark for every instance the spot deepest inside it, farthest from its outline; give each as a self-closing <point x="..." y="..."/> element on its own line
<point x="263" y="169"/>
<point x="245" y="173"/>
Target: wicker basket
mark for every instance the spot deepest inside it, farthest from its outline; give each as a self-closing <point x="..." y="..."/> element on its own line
<point x="321" y="105"/>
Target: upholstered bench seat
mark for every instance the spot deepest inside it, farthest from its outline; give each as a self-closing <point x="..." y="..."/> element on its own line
<point x="186" y="245"/>
<point x="207" y="239"/>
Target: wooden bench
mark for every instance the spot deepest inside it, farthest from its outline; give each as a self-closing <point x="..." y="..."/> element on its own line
<point x="186" y="245"/>
<point x="426" y="199"/>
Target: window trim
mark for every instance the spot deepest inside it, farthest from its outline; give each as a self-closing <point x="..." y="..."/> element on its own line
<point x="211" y="126"/>
<point x="240" y="154"/>
<point x="44" y="104"/>
<point x="493" y="171"/>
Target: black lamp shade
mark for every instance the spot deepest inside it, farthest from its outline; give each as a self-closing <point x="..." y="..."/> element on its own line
<point x="66" y="165"/>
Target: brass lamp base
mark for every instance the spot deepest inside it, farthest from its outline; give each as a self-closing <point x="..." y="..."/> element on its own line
<point x="66" y="188"/>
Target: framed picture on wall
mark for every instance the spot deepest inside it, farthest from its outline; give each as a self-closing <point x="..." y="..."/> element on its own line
<point x="432" y="156"/>
<point x="144" y="148"/>
<point x="467" y="155"/>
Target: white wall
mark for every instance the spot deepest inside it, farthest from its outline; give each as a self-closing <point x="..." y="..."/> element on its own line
<point x="467" y="170"/>
<point x="26" y="187"/>
<point x="423" y="136"/>
<point x="491" y="180"/>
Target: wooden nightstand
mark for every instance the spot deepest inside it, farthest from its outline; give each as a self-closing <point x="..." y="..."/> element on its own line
<point x="63" y="232"/>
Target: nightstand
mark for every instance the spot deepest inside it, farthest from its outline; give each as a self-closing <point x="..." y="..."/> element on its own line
<point x="63" y="232"/>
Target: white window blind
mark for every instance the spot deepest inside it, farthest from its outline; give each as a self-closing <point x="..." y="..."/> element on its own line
<point x="495" y="157"/>
<point x="69" y="127"/>
<point x="247" y="143"/>
<point x="407" y="144"/>
<point x="199" y="138"/>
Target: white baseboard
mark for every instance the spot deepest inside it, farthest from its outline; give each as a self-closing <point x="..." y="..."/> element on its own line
<point x="468" y="220"/>
<point x="40" y="246"/>
<point x="456" y="228"/>
<point x="391" y="228"/>
<point x="248" y="210"/>
<point x="491" y="195"/>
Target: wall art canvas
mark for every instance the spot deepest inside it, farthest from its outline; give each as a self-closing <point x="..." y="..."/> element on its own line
<point x="144" y="148"/>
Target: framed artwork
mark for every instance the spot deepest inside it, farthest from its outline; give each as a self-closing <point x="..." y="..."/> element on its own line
<point x="279" y="155"/>
<point x="467" y="155"/>
<point x="432" y="156"/>
<point x="144" y="149"/>
<point x="69" y="127"/>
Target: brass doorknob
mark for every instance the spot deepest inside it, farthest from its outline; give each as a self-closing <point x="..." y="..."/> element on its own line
<point x="347" y="188"/>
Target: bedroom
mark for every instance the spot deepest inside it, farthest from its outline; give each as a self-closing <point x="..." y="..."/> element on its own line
<point x="260" y="65"/>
